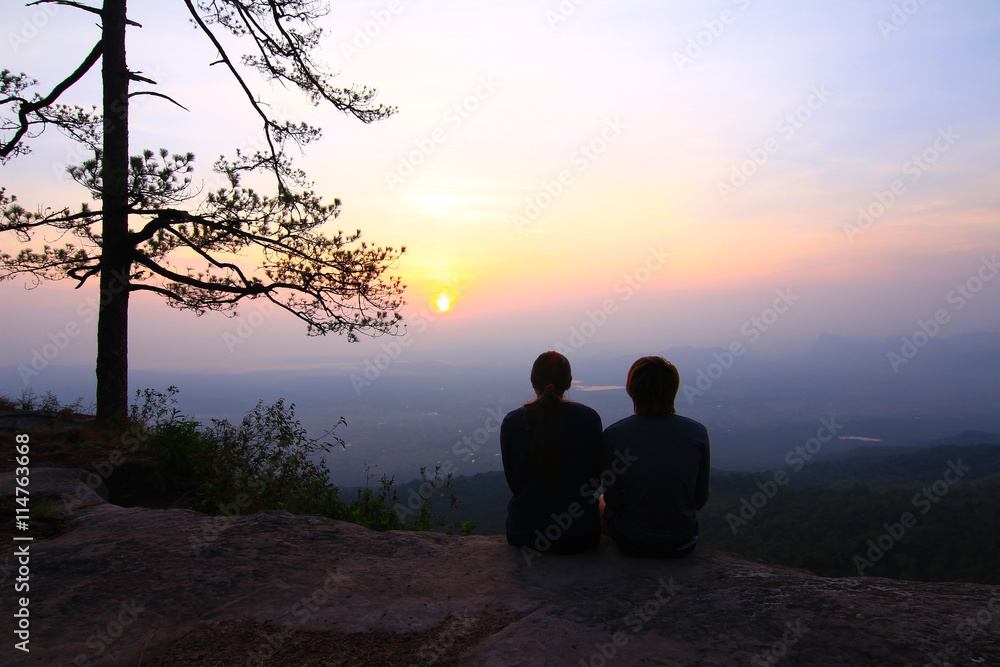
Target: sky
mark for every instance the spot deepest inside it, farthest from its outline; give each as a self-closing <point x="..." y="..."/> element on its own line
<point x="604" y="178"/>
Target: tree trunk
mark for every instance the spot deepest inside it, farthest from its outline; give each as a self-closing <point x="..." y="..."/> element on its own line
<point x="116" y="258"/>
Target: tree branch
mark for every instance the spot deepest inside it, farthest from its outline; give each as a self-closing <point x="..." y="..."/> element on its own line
<point x="167" y="217"/>
<point x="182" y="279"/>
<point x="86" y="8"/>
<point x="142" y="79"/>
<point x="156" y="94"/>
<point x="68" y="3"/>
<point x="30" y="107"/>
<point x="141" y="287"/>
<point x="211" y="260"/>
<point x="224" y="57"/>
<point x="365" y="115"/>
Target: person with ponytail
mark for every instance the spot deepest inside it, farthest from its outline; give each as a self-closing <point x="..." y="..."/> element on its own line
<point x="551" y="450"/>
<point x="660" y="462"/>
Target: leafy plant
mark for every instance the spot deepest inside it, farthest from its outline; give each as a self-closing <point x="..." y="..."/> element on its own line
<point x="376" y="509"/>
<point x="268" y="461"/>
<point x="270" y="454"/>
<point x="432" y="488"/>
<point x="156" y="409"/>
<point x="47" y="402"/>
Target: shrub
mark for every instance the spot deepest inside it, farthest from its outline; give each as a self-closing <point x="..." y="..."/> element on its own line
<point x="375" y="509"/>
<point x="47" y="403"/>
<point x="267" y="461"/>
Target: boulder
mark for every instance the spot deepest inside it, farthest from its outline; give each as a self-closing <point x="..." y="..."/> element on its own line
<point x="129" y="586"/>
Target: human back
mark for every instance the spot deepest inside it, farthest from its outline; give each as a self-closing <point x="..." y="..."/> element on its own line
<point x="551" y="454"/>
<point x="659" y="463"/>
<point x="656" y="496"/>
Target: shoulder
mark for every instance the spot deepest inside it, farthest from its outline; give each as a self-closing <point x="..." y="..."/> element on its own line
<point x="513" y="414"/>
<point x="665" y="423"/>
<point x="689" y="423"/>
<point x="579" y="408"/>
<point x="689" y="429"/>
<point x="581" y="411"/>
<point x="621" y="425"/>
<point x="514" y="417"/>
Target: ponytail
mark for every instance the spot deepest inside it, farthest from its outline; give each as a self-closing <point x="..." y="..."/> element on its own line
<point x="547" y="446"/>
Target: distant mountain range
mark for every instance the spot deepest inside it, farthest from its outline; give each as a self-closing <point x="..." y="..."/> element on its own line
<point x="757" y="409"/>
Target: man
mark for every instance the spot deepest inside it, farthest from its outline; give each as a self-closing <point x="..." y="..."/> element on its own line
<point x="659" y="462"/>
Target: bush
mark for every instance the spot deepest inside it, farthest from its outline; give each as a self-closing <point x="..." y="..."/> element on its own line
<point x="375" y="510"/>
<point x="47" y="403"/>
<point x="267" y="461"/>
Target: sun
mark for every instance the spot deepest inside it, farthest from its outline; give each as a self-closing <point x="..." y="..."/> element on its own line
<point x="443" y="302"/>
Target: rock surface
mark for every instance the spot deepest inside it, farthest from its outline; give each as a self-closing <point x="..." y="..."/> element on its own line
<point x="128" y="586"/>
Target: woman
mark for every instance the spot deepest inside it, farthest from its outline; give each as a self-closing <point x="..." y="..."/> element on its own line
<point x="660" y="462"/>
<point x="551" y="456"/>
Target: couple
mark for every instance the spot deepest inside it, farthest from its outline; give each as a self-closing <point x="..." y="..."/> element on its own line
<point x="653" y="467"/>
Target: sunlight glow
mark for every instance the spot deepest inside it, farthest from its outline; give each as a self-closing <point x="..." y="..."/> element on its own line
<point x="443" y="302"/>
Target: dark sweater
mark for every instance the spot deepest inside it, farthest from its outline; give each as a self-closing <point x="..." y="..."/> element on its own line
<point x="659" y="477"/>
<point x="535" y="500"/>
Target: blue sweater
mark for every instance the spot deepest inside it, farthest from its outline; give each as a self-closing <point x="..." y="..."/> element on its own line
<point x="534" y="501"/>
<point x="658" y="472"/>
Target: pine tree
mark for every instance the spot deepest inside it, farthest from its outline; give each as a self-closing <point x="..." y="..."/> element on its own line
<point x="150" y="209"/>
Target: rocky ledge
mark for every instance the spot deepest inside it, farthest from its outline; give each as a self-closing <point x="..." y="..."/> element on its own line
<point x="133" y="586"/>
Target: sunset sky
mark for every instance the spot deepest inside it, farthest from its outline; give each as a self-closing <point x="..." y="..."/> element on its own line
<point x="645" y="174"/>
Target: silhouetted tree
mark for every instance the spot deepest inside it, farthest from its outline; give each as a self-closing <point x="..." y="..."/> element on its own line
<point x="334" y="283"/>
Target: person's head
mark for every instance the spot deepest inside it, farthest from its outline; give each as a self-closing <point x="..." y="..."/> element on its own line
<point x="652" y="384"/>
<point x="551" y="368"/>
<point x="548" y="449"/>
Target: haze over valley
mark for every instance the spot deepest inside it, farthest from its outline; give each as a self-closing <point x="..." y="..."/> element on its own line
<point x="760" y="411"/>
